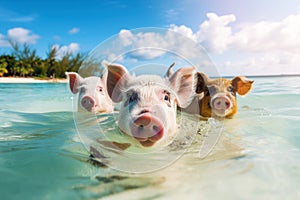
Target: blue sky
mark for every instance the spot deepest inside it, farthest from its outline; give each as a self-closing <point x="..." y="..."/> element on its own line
<point x="241" y="37"/>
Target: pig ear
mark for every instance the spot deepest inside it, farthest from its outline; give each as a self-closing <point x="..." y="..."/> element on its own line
<point x="116" y="77"/>
<point x="202" y="80"/>
<point x="74" y="81"/>
<point x="183" y="81"/>
<point x="170" y="70"/>
<point x="241" y="84"/>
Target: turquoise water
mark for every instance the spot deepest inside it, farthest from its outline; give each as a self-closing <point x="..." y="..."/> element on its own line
<point x="256" y="157"/>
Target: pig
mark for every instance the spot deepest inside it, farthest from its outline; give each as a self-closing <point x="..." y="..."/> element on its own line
<point x="216" y="97"/>
<point x="148" y="103"/>
<point x="92" y="96"/>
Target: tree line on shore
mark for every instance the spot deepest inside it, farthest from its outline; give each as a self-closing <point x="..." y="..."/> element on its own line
<point x="24" y="62"/>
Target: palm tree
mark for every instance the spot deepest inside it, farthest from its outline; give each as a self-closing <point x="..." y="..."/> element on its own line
<point x="26" y="59"/>
<point x="3" y="65"/>
<point x="8" y="62"/>
<point x="76" y="62"/>
<point x="3" y="71"/>
<point x="51" y="63"/>
<point x="39" y="68"/>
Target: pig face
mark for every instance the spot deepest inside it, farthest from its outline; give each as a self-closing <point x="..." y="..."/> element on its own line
<point x="219" y="95"/>
<point x="149" y="103"/>
<point x="92" y="93"/>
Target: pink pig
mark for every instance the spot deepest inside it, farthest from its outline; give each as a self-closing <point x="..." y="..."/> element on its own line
<point x="149" y="102"/>
<point x="92" y="93"/>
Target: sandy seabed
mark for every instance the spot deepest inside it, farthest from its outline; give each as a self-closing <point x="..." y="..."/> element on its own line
<point x="29" y="80"/>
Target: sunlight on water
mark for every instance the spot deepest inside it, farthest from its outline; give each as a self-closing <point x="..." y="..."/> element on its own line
<point x="257" y="156"/>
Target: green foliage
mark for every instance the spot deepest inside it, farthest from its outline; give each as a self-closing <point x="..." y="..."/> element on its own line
<point x="24" y="62"/>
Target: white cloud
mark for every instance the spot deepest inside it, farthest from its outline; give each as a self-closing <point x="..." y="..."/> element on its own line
<point x="63" y="50"/>
<point x="155" y="43"/>
<point x="126" y="37"/>
<point x="214" y="33"/>
<point x="265" y="46"/>
<point x="186" y="31"/>
<point x="217" y="36"/>
<point x="21" y="35"/>
<point x="74" y="31"/>
<point x="269" y="36"/>
<point x="141" y="42"/>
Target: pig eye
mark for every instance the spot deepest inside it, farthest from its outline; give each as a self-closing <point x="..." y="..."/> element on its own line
<point x="133" y="97"/>
<point x="99" y="89"/>
<point x="211" y="90"/>
<point x="167" y="97"/>
<point x="231" y="89"/>
<point x="82" y="89"/>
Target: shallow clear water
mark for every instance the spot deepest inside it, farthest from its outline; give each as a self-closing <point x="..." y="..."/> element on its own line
<point x="256" y="157"/>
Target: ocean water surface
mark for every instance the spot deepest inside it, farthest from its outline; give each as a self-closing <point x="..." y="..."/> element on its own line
<point x="257" y="155"/>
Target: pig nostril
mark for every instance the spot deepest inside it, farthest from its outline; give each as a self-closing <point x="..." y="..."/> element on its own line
<point x="144" y="111"/>
<point x="156" y="128"/>
<point x="157" y="133"/>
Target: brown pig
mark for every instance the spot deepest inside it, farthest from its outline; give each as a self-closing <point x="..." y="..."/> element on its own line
<point x="217" y="97"/>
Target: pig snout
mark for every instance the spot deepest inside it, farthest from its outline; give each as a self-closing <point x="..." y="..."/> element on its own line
<point x="88" y="103"/>
<point x="147" y="129"/>
<point x="221" y="103"/>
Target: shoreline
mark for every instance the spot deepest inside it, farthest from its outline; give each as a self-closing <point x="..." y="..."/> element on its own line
<point x="30" y="80"/>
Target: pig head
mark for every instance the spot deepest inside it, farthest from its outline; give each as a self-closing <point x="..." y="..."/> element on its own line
<point x="149" y="103"/>
<point x="216" y="97"/>
<point x="92" y="95"/>
<point x="219" y="95"/>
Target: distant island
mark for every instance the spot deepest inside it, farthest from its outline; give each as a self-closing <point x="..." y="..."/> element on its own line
<point x="273" y="75"/>
<point x="262" y="75"/>
<point x="24" y="62"/>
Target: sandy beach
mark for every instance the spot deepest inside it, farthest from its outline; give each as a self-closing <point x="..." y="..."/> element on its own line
<point x="30" y="80"/>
